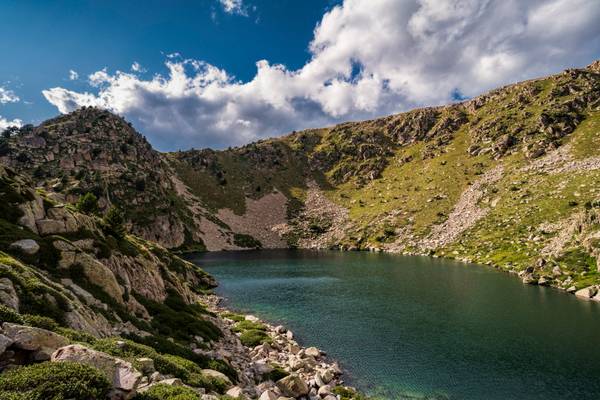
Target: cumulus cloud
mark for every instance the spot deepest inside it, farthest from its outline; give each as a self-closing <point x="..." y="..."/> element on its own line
<point x="234" y="7"/>
<point x="5" y="123"/>
<point x="73" y="75"/>
<point x="368" y="58"/>
<point x="7" y="96"/>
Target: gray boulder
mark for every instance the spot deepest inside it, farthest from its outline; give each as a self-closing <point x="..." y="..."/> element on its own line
<point x="120" y="373"/>
<point x="39" y="341"/>
<point x="27" y="246"/>
<point x="292" y="386"/>
<point x="587" y="293"/>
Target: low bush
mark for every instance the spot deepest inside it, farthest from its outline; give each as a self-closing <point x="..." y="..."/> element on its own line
<point x="276" y="374"/>
<point x="174" y="318"/>
<point x="254" y="337"/>
<point x="40" y="322"/>
<point x="188" y="371"/>
<point x="87" y="204"/>
<point x="246" y="241"/>
<point x="246" y="325"/>
<point x="54" y="381"/>
<point x="7" y="314"/>
<point x="166" y="392"/>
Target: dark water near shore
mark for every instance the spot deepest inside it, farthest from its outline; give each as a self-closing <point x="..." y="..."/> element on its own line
<point x="415" y="326"/>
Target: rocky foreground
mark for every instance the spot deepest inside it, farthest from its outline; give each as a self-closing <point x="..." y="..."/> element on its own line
<point x="90" y="312"/>
<point x="284" y="369"/>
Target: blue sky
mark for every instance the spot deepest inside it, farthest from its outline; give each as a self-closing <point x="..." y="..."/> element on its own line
<point x="44" y="40"/>
<point x="226" y="72"/>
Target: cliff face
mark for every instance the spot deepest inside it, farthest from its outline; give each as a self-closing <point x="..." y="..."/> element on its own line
<point x="497" y="179"/>
<point x="63" y="264"/>
<point x="130" y="319"/>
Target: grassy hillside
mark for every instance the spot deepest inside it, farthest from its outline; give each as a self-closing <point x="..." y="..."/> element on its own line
<point x="508" y="178"/>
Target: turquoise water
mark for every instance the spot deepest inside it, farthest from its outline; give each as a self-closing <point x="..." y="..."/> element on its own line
<point x="416" y="327"/>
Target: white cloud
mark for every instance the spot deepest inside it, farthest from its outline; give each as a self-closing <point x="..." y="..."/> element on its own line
<point x="137" y="67"/>
<point x="234" y="7"/>
<point x="73" y="75"/>
<point x="368" y="58"/>
<point x="4" y="123"/>
<point x="7" y="96"/>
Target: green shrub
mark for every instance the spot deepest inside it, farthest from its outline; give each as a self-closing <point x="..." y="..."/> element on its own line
<point x="246" y="241"/>
<point x="174" y="318"/>
<point x="233" y="316"/>
<point x="347" y="393"/>
<point x="254" y="337"/>
<point x="188" y="371"/>
<point x="166" y="392"/>
<point x="7" y="314"/>
<point x="114" y="221"/>
<point x="54" y="381"/>
<point x="246" y="325"/>
<point x="40" y="322"/>
<point x="276" y="374"/>
<point x="87" y="204"/>
<point x="76" y="336"/>
<point x="165" y="346"/>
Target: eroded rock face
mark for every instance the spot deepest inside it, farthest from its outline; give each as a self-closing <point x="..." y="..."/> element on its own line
<point x="120" y="373"/>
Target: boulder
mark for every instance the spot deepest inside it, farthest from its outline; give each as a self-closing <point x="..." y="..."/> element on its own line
<point x="268" y="395"/>
<point x="5" y="341"/>
<point x="279" y="329"/>
<point x="171" y="382"/>
<point x="211" y="373"/>
<point x="326" y="375"/>
<point x="39" y="341"/>
<point x="8" y="294"/>
<point x="50" y="227"/>
<point x="26" y="246"/>
<point x="294" y="349"/>
<point x="235" y="392"/>
<point x="251" y="318"/>
<point x="587" y="293"/>
<point x="146" y="365"/>
<point x="556" y="271"/>
<point x="292" y="386"/>
<point x="262" y="367"/>
<point x="312" y="351"/>
<point x="324" y="391"/>
<point x="123" y="376"/>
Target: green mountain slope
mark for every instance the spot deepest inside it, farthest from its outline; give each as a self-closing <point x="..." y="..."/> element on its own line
<point x="509" y="178"/>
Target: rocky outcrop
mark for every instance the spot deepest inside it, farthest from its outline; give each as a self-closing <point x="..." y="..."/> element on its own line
<point x="30" y="343"/>
<point x="123" y="377"/>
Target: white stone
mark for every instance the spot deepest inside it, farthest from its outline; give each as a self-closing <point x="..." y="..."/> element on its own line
<point x="268" y="395"/>
<point x="235" y="391"/>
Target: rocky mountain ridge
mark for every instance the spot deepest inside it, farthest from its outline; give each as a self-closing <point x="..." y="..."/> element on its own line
<point x="481" y="180"/>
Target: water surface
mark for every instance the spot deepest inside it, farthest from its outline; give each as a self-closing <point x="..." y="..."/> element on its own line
<point x="405" y="327"/>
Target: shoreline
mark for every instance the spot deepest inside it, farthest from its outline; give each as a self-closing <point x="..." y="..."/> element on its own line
<point x="532" y="276"/>
<point x="309" y="372"/>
